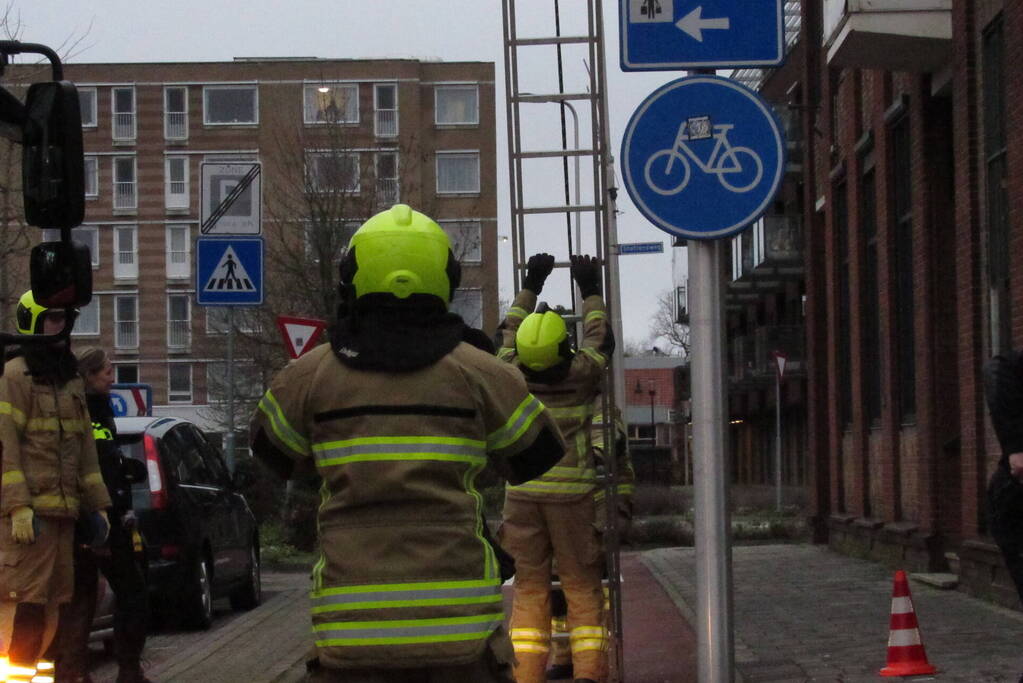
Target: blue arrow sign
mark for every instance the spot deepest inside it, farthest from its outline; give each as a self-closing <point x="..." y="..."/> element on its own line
<point x="641" y="248"/>
<point x="229" y="271"/>
<point x="703" y="157"/>
<point x="664" y="35"/>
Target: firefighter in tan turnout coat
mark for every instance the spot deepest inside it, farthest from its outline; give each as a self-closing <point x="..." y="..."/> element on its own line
<point x="399" y="415"/>
<point x="553" y="517"/>
<point x="50" y="476"/>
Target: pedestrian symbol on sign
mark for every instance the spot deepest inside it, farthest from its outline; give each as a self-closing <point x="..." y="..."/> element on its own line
<point x="229" y="275"/>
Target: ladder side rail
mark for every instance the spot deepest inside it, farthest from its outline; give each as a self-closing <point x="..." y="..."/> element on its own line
<point x="514" y="141"/>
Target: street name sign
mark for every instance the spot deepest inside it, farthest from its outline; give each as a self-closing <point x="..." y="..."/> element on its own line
<point x="229" y="271"/>
<point x="641" y="248"/>
<point x="230" y="199"/>
<point x="131" y="400"/>
<point x="703" y="157"/>
<point x="300" y="334"/>
<point x="668" y="35"/>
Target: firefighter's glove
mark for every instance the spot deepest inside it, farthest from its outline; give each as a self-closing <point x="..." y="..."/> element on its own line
<point x="538" y="268"/>
<point x="21" y="525"/>
<point x="586" y="273"/>
<point x="100" y="528"/>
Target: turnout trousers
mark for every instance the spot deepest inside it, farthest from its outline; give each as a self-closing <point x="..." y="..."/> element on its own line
<point x="537" y="533"/>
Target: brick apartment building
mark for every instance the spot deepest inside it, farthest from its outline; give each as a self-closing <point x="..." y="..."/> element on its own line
<point x="912" y="256"/>
<point x="354" y="136"/>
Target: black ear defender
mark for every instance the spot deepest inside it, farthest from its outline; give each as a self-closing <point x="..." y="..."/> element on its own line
<point x="346" y="274"/>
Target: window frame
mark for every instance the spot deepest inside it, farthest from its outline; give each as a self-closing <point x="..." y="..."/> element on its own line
<point x="118" y="321"/>
<point x="167" y="112"/>
<point x="448" y="87"/>
<point x="93" y="109"/>
<point x="118" y="367"/>
<point x="91" y="178"/>
<point x="207" y="89"/>
<point x="93" y="305"/>
<point x="452" y="154"/>
<point x="126" y="271"/>
<point x="178" y="271"/>
<point x="187" y="343"/>
<point x="378" y="110"/>
<point x="314" y="88"/>
<point x="170" y="379"/>
<point x="114" y="113"/>
<point x="134" y="205"/>
<point x="314" y="175"/>
<point x="183" y="199"/>
<point x="901" y="163"/>
<point x="476" y="291"/>
<point x="450" y="225"/>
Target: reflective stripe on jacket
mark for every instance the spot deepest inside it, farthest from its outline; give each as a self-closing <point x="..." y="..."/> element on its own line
<point x="570" y="401"/>
<point x="405" y="577"/>
<point x="49" y="455"/>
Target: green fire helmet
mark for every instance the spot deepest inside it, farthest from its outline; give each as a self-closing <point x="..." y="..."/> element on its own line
<point x="29" y="315"/>
<point x="401" y="252"/>
<point x="541" y="341"/>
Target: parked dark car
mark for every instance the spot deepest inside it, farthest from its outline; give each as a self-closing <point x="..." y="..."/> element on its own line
<point x="201" y="539"/>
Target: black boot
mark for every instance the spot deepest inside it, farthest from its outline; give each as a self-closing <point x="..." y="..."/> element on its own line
<point x="559" y="671"/>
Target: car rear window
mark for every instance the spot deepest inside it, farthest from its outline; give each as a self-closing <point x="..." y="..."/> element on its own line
<point x="131" y="447"/>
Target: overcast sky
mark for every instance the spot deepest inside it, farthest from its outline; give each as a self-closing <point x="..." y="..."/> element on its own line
<point x="451" y="30"/>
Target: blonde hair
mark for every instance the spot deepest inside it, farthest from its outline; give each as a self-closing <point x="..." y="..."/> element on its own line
<point x="91" y="360"/>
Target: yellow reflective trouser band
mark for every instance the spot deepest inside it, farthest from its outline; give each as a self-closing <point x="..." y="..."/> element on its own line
<point x="531" y="640"/>
<point x="595" y="355"/>
<point x="517" y="312"/>
<point x="375" y="449"/>
<point x="288" y="436"/>
<point x="13" y="477"/>
<point x="50" y="502"/>
<point x="537" y="486"/>
<point x="595" y="315"/>
<point x="588" y="638"/>
<point x="431" y="593"/>
<point x="517" y="425"/>
<point x="7" y="409"/>
<point x="406" y="631"/>
<point x="52" y="424"/>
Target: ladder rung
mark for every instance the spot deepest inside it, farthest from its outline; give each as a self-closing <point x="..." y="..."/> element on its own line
<point x="555" y="97"/>
<point x="556" y="153"/>
<point x="558" y="209"/>
<point x="554" y="40"/>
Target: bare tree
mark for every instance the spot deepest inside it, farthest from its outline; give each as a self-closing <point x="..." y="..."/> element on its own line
<point x="665" y="328"/>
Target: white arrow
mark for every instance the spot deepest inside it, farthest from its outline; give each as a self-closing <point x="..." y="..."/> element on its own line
<point x="694" y="24"/>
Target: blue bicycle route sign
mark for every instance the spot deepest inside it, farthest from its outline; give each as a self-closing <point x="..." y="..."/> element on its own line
<point x="664" y="35"/>
<point x="229" y="271"/>
<point x="703" y="157"/>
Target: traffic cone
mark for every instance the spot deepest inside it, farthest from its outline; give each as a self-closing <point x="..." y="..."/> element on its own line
<point x="906" y="655"/>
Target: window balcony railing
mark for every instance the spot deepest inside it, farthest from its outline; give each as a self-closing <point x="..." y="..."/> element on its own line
<point x="126" y="335"/>
<point x="387" y="191"/>
<point x="895" y="35"/>
<point x="124" y="196"/>
<point x="386" y="123"/>
<point x="179" y="334"/>
<point x="176" y="126"/>
<point x="124" y="126"/>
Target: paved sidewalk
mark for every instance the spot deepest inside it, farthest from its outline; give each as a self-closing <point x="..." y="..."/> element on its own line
<point x="804" y="613"/>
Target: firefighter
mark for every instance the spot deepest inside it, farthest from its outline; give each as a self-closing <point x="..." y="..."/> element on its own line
<point x="553" y="517"/>
<point x="398" y="415"/>
<point x="561" y="653"/>
<point x="50" y="476"/>
<point x="117" y="558"/>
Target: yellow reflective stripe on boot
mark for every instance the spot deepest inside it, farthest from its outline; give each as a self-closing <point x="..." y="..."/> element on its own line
<point x="517" y="425"/>
<point x="423" y="594"/>
<point x="407" y="631"/>
<point x="389" y="448"/>
<point x="586" y="638"/>
<point x="531" y="640"/>
<point x="279" y="424"/>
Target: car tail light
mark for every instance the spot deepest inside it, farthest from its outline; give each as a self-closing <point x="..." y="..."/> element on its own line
<point x="154" y="470"/>
<point x="169" y="551"/>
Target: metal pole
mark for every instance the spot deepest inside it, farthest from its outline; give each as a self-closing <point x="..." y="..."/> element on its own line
<point x="713" y="538"/>
<point x="653" y="424"/>
<point x="229" y="438"/>
<point x="777" y="437"/>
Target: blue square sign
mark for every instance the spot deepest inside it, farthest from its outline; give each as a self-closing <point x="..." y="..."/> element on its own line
<point x="665" y="35"/>
<point x="229" y="271"/>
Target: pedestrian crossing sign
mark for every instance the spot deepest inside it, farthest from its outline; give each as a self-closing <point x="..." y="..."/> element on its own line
<point x="229" y="271"/>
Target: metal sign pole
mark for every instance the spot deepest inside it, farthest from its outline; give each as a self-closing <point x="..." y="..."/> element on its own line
<point x="777" y="437"/>
<point x="229" y="439"/>
<point x="712" y="530"/>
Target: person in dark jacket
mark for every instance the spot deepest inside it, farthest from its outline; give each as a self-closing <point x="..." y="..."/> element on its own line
<point x="116" y="559"/>
<point x="1003" y="389"/>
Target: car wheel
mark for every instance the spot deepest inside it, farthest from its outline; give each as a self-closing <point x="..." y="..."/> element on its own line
<point x="250" y="593"/>
<point x="200" y="607"/>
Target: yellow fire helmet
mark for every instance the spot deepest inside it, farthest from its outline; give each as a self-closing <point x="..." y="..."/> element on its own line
<point x="401" y="252"/>
<point x="29" y="315"/>
<point x="542" y="341"/>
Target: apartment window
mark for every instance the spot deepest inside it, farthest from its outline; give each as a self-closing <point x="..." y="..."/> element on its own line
<point x="456" y="105"/>
<point x="468" y="303"/>
<point x="385" y="102"/>
<point x="387" y="178"/>
<point x="126" y="266"/>
<point x="993" y="84"/>
<point x="126" y="321"/>
<point x="179" y="321"/>
<point x="125" y="196"/>
<point x="905" y="305"/>
<point x="123" y="100"/>
<point x="466" y="238"/>
<point x="179" y="246"/>
<point x="91" y="176"/>
<point x="841" y="232"/>
<point x="87" y="322"/>
<point x="175" y="113"/>
<point x="246" y="320"/>
<point x="87" y="105"/>
<point x="331" y="103"/>
<point x="89" y="236"/>
<point x="458" y="172"/>
<point x="179" y="382"/>
<point x="333" y="171"/>
<point x="326" y="241"/>
<point x="248" y="382"/>
<point x="230" y="104"/>
<point x="870" y="352"/>
<point x="126" y="373"/>
<point x="176" y="182"/>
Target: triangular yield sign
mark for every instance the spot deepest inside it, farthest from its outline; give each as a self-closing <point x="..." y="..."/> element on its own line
<point x="300" y="334"/>
<point x="780" y="359"/>
<point x="229" y="275"/>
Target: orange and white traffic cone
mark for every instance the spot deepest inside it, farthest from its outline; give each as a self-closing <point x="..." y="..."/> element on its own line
<point x="906" y="655"/>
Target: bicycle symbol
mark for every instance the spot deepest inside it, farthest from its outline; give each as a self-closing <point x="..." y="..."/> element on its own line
<point x="667" y="171"/>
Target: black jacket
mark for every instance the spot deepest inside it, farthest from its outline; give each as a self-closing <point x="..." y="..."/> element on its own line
<point x="110" y="458"/>
<point x="1003" y="389"/>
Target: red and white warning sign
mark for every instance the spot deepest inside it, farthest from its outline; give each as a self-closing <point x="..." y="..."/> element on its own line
<point x="300" y="334"/>
<point x="779" y="359"/>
